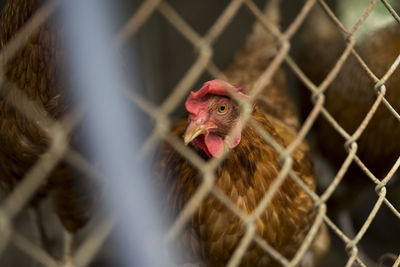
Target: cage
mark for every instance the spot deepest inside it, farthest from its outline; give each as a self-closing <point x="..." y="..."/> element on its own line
<point x="141" y="59"/>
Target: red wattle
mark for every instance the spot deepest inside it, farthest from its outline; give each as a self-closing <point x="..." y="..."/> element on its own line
<point x="215" y="145"/>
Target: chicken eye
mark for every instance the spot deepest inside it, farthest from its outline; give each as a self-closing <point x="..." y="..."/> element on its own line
<point x="223" y="109"/>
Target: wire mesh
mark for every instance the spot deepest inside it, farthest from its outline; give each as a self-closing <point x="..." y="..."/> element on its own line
<point x="59" y="148"/>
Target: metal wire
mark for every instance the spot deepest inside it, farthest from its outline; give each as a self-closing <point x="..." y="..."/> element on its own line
<point x="60" y="149"/>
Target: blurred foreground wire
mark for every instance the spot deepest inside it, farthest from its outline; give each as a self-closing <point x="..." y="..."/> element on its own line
<point x="112" y="127"/>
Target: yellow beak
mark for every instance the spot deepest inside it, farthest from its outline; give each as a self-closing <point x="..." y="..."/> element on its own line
<point x="193" y="130"/>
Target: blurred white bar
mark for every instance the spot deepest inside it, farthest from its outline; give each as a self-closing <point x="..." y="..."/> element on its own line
<point x="112" y="130"/>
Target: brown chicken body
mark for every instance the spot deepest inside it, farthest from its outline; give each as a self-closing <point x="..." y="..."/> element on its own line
<point x="246" y="174"/>
<point x="351" y="95"/>
<point x="36" y="70"/>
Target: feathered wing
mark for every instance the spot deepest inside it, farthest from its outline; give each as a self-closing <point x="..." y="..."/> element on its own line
<point x="379" y="50"/>
<point x="37" y="72"/>
<point x="351" y="94"/>
<point x="350" y="97"/>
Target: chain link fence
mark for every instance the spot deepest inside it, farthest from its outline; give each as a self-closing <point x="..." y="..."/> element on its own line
<point x="59" y="148"/>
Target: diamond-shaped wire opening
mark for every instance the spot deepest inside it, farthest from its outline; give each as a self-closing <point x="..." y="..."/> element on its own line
<point x="202" y="64"/>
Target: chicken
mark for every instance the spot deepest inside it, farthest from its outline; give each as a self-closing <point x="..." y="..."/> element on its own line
<point x="249" y="169"/>
<point x="350" y="97"/>
<point x="38" y="70"/>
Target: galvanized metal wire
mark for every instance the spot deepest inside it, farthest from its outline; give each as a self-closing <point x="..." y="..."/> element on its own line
<point x="60" y="149"/>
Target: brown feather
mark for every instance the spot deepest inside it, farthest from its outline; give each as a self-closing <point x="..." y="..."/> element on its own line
<point x="350" y="97"/>
<point x="36" y="71"/>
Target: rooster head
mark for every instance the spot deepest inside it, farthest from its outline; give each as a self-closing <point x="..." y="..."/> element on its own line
<point x="213" y="114"/>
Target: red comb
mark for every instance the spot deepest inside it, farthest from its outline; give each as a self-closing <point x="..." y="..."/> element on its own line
<point x="194" y="104"/>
